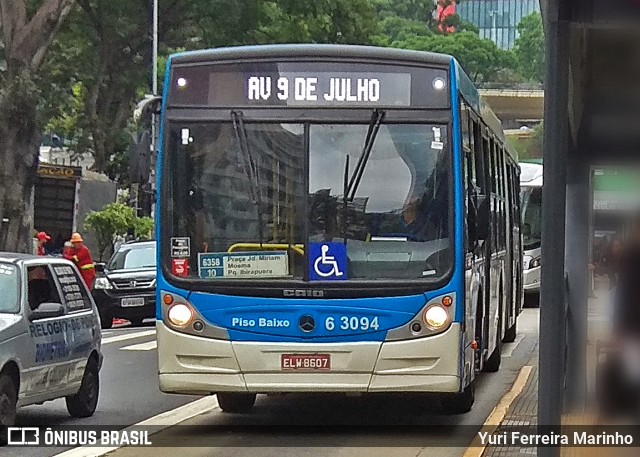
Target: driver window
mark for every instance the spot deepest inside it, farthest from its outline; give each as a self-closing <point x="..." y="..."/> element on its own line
<point x="41" y="288"/>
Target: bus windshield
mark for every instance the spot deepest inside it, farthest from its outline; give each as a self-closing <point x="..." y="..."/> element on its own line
<point x="531" y="203"/>
<point x="252" y="199"/>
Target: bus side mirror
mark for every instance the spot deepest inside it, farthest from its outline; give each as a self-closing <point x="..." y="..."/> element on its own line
<point x="483" y="220"/>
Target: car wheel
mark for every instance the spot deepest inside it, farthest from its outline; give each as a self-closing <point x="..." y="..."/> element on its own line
<point x="83" y="404"/>
<point x="8" y="405"/>
<point x="106" y="320"/>
<point x="233" y="402"/>
<point x="459" y="403"/>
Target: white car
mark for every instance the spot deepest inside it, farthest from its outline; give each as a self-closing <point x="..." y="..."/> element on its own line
<point x="49" y="337"/>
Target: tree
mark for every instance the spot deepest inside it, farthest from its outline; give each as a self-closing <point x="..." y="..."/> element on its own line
<point x="111" y="221"/>
<point x="28" y="30"/>
<point x="529" y="48"/>
<point x="480" y="58"/>
<point x="116" y="219"/>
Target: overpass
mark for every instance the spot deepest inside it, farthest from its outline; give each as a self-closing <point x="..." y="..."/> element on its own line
<point x="515" y="105"/>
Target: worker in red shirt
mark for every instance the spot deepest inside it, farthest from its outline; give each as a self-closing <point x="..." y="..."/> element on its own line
<point x="42" y="239"/>
<point x="79" y="254"/>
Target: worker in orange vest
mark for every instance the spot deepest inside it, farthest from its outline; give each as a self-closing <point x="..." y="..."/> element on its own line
<point x="42" y="239"/>
<point x="80" y="255"/>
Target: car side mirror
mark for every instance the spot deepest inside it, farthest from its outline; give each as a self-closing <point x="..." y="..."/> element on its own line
<point x="100" y="267"/>
<point x="47" y="311"/>
<point x="482" y="222"/>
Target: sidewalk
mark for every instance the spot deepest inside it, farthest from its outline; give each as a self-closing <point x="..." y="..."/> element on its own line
<point x="523" y="411"/>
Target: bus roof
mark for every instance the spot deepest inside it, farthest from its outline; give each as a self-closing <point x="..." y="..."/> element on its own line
<point x="353" y="52"/>
<point x="338" y="51"/>
<point x="531" y="174"/>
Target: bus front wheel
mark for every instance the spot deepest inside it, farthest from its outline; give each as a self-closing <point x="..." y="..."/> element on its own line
<point x="459" y="403"/>
<point x="236" y="402"/>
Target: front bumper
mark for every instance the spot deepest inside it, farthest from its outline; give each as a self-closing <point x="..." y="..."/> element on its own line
<point x="201" y="366"/>
<point x="532" y="280"/>
<point x="109" y="303"/>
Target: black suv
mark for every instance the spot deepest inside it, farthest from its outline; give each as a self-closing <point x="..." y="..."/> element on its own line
<point x="126" y="286"/>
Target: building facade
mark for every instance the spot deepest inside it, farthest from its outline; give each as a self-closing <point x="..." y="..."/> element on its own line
<point x="497" y="20"/>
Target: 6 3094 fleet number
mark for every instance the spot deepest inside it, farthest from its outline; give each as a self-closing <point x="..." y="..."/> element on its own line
<point x="352" y="323"/>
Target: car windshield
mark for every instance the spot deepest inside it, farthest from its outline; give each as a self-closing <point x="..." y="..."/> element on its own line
<point x="261" y="200"/>
<point x="531" y="203"/>
<point x="9" y="287"/>
<point x="132" y="258"/>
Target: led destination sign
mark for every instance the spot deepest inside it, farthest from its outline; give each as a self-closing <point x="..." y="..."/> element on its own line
<point x="329" y="89"/>
<point x="309" y="85"/>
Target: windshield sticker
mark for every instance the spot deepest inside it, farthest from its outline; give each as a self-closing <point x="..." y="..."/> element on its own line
<point x="180" y="267"/>
<point x="186" y="137"/>
<point x="243" y="265"/>
<point x="180" y="247"/>
<point x="437" y="138"/>
<point x="327" y="262"/>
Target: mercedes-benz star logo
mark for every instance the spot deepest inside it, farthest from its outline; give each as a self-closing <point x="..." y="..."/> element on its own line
<point x="307" y="323"/>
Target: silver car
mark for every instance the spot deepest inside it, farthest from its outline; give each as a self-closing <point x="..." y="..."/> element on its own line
<point x="49" y="337"/>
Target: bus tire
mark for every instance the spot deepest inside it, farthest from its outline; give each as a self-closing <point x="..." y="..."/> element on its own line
<point x="511" y="333"/>
<point x="8" y="405"/>
<point x="236" y="402"/>
<point x="459" y="403"/>
<point x="492" y="364"/>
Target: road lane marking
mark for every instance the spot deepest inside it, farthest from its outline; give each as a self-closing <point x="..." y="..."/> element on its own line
<point x="510" y="347"/>
<point x="149" y="346"/>
<point x="499" y="412"/>
<point x="160" y="422"/>
<point x="128" y="336"/>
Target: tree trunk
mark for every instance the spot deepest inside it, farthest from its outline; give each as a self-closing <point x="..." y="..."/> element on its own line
<point x="19" y="148"/>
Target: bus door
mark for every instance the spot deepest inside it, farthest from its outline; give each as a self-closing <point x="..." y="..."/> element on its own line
<point x="483" y="251"/>
<point x="495" y="247"/>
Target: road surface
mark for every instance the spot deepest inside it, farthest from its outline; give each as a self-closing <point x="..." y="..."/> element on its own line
<point x="410" y="424"/>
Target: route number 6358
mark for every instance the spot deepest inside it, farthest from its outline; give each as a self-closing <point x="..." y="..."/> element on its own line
<point x="352" y="323"/>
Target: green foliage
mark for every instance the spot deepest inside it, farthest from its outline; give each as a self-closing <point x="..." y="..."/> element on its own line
<point x="143" y="228"/>
<point x="113" y="220"/>
<point x="480" y="58"/>
<point x="529" y="48"/>
<point x="116" y="219"/>
<point x="528" y="145"/>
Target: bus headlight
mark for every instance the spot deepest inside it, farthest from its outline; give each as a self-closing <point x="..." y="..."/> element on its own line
<point x="534" y="263"/>
<point x="436" y="317"/>
<point x="180" y="315"/>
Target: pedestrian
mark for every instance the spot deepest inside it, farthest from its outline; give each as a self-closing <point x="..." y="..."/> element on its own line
<point x="80" y="255"/>
<point x="609" y="266"/>
<point x="626" y="322"/>
<point x="42" y="239"/>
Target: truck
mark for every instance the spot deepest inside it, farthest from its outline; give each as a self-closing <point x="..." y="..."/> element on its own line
<point x="64" y="195"/>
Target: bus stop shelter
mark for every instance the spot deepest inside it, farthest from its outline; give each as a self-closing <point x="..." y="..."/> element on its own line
<point x="592" y="118"/>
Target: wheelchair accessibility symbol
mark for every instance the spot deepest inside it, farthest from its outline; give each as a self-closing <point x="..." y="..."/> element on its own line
<point x="327" y="261"/>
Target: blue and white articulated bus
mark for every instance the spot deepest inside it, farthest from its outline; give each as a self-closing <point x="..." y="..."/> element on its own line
<point x="332" y="219"/>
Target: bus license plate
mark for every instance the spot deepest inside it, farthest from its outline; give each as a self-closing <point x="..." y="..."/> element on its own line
<point x="306" y="361"/>
<point x="131" y="302"/>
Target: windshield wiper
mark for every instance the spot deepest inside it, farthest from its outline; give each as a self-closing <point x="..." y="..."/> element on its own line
<point x="374" y="127"/>
<point x="350" y="185"/>
<point x="249" y="165"/>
